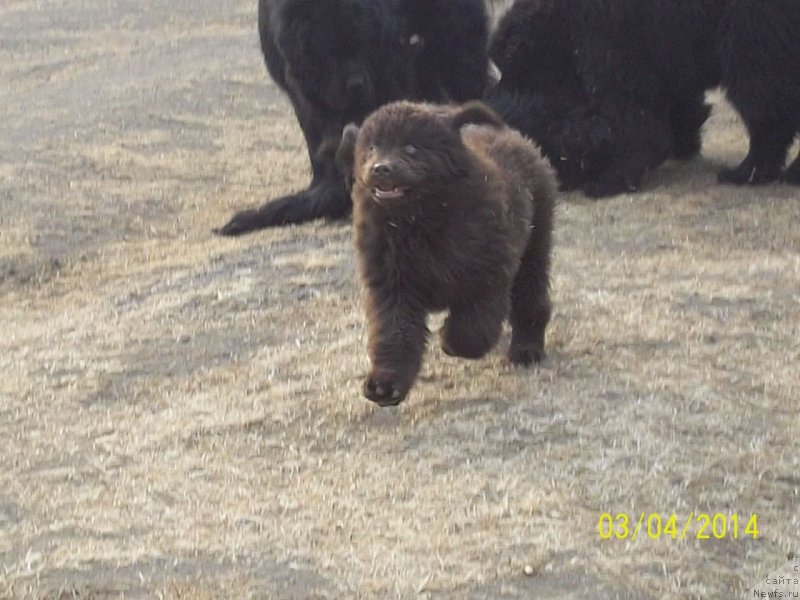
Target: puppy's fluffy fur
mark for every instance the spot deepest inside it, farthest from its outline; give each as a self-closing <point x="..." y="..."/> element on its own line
<point x="452" y="211"/>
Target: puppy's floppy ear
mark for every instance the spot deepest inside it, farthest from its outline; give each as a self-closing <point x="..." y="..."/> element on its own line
<point x="345" y="153"/>
<point x="475" y="112"/>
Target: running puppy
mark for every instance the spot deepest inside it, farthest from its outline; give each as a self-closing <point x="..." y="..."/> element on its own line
<point x="452" y="211"/>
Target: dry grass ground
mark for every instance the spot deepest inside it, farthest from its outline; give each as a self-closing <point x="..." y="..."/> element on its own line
<point x="180" y="415"/>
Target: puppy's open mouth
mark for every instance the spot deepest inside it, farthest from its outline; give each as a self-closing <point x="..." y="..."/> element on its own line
<point x="384" y="192"/>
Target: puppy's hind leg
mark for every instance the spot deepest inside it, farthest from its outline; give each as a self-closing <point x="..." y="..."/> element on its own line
<point x="473" y="328"/>
<point x="530" y="304"/>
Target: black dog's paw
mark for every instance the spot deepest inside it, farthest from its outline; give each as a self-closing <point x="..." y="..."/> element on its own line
<point x="242" y="222"/>
<point x="525" y="354"/>
<point x="295" y="208"/>
<point x="385" y="388"/>
<point x="324" y="200"/>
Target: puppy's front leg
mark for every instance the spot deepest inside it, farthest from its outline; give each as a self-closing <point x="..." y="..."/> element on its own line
<point x="397" y="334"/>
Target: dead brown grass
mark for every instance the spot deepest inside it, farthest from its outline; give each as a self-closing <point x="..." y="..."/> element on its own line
<point x="180" y="414"/>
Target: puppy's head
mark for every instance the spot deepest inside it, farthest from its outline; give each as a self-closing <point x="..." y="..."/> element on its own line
<point x="406" y="151"/>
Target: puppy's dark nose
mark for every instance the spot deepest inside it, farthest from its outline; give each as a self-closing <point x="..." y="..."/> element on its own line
<point x="381" y="169"/>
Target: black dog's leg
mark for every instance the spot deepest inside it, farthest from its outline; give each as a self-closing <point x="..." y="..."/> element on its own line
<point x="769" y="142"/>
<point x="626" y="91"/>
<point x="758" y="49"/>
<point x="642" y="142"/>
<point x="325" y="196"/>
<point x="327" y="200"/>
<point x="792" y="174"/>
<point x="583" y="142"/>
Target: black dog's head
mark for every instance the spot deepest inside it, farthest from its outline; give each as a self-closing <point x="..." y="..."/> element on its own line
<point x="406" y="151"/>
<point x="340" y="53"/>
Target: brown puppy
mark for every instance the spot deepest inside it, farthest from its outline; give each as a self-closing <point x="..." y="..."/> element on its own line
<point x="452" y="210"/>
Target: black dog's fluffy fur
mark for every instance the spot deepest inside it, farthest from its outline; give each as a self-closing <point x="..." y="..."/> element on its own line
<point x="612" y="88"/>
<point x="453" y="219"/>
<point x="338" y="60"/>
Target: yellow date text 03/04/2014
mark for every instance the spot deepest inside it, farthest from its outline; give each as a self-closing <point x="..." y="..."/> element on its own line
<point x="700" y="526"/>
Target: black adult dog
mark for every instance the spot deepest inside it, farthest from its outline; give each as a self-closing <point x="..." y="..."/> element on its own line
<point x="612" y="88"/>
<point x="338" y="60"/>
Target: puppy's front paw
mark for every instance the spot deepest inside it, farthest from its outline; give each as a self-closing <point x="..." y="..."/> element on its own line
<point x="385" y="388"/>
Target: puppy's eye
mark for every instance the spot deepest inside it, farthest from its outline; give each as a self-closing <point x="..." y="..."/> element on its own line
<point x="411" y="149"/>
<point x="372" y="149"/>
